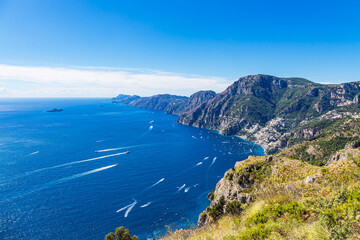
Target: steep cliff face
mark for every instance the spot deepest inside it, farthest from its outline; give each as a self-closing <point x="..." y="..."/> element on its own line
<point x="262" y="108"/>
<point x="194" y="101"/>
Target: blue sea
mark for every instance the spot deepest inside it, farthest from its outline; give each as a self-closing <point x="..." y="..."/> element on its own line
<point x="69" y="175"/>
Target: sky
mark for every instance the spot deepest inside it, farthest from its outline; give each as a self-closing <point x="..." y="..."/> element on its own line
<point x="101" y="48"/>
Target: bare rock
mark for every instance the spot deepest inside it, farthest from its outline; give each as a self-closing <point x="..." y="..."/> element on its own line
<point x="309" y="180"/>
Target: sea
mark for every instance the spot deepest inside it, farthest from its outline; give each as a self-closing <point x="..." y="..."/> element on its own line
<point x="96" y="165"/>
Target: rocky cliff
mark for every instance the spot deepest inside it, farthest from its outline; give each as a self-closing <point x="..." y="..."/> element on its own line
<point x="269" y="110"/>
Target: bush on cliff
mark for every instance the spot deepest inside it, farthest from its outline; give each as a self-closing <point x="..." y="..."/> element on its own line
<point x="120" y="234"/>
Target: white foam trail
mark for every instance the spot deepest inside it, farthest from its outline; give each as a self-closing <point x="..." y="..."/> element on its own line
<point x="145" y="205"/>
<point x="187" y="189"/>
<point x="157" y="183"/>
<point x="130" y="208"/>
<point x="49" y="184"/>
<point x="180" y="188"/>
<point x="122" y="209"/>
<point x="213" y="162"/>
<point x="206" y="158"/>
<point x="99" y="141"/>
<point x="199" y="164"/>
<point x="33" y="153"/>
<point x="120" y="148"/>
<point x="196" y="185"/>
<point x="76" y="162"/>
<point x="194" y="137"/>
<point x="151" y="127"/>
<point x="151" y="121"/>
<point x="81" y="174"/>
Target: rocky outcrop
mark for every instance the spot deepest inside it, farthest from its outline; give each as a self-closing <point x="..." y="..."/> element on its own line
<point x="232" y="191"/>
<point x="342" y="155"/>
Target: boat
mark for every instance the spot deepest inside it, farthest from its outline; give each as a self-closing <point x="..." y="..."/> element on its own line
<point x="55" y="110"/>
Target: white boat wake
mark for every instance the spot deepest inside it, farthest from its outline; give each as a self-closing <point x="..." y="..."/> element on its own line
<point x="33" y="153"/>
<point x="180" y="188"/>
<point x="213" y="162"/>
<point x="156" y="183"/>
<point x="145" y="205"/>
<point x="128" y="207"/>
<point x="199" y="164"/>
<point x="187" y="189"/>
<point x="49" y="184"/>
<point x="79" y="175"/>
<point x="76" y="162"/>
<point x="206" y="158"/>
<point x="120" y="148"/>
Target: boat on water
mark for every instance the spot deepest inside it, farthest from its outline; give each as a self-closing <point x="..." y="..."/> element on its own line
<point x="55" y="110"/>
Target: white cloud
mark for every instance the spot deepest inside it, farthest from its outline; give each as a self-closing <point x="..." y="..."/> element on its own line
<point x="34" y="81"/>
<point x="326" y="82"/>
<point x="4" y="91"/>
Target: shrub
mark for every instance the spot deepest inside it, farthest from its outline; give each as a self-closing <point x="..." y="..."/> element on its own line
<point x="218" y="209"/>
<point x="211" y="195"/>
<point x="230" y="176"/>
<point x="278" y="210"/>
<point x="121" y="233"/>
<point x="256" y="232"/>
<point x="342" y="214"/>
<point x="234" y="207"/>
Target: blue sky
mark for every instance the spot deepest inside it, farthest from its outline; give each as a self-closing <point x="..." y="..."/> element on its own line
<point x="188" y="45"/>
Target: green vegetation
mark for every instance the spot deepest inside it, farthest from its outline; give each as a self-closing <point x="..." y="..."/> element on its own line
<point x="120" y="234"/>
<point x="285" y="206"/>
<point x="234" y="207"/>
<point x="334" y="136"/>
<point x="216" y="211"/>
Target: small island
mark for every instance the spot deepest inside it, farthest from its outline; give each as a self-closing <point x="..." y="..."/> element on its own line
<point x="55" y="110"/>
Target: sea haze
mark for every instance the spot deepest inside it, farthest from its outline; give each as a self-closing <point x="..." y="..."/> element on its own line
<point x="66" y="175"/>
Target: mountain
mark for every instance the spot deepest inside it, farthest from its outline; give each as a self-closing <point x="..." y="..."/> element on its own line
<point x="171" y="104"/>
<point x="271" y="111"/>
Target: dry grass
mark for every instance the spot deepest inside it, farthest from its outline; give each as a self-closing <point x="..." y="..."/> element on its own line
<point x="284" y="185"/>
